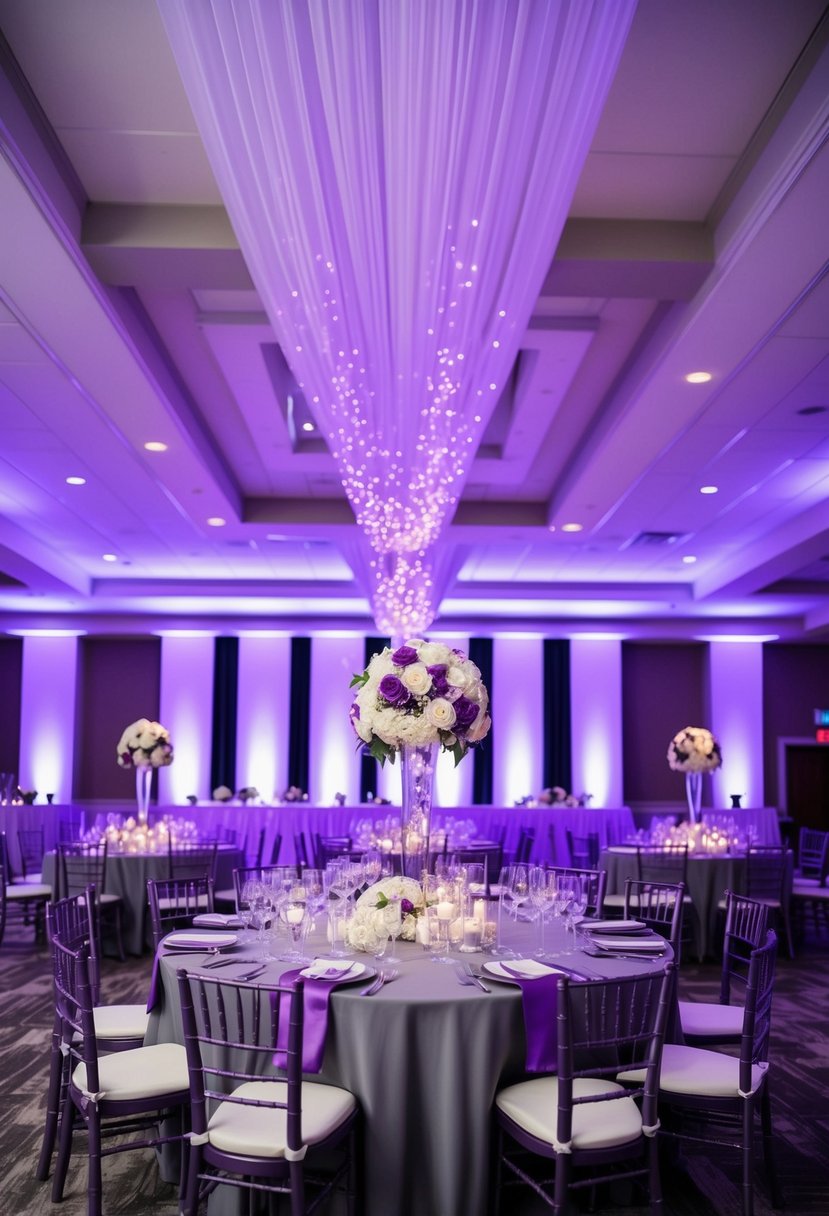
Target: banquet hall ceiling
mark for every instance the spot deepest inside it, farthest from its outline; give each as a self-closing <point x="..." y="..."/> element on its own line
<point x="696" y="240"/>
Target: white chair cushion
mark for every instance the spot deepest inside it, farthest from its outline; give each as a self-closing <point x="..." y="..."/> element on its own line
<point x="695" y="1070"/>
<point x="120" y="1021"/>
<point x="141" y="1072"/>
<point x="616" y="901"/>
<point x="808" y="890"/>
<point x="709" y="1018"/>
<point x="106" y="897"/>
<point x="227" y="896"/>
<point x="257" y="1131"/>
<point x="35" y="879"/>
<point x="533" y="1106"/>
<point x="28" y="890"/>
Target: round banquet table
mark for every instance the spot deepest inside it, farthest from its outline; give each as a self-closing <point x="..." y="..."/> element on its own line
<point x="127" y="874"/>
<point x="424" y="1057"/>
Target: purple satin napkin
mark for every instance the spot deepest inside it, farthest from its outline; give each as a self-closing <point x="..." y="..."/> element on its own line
<point x="539" y="997"/>
<point x="316" y="993"/>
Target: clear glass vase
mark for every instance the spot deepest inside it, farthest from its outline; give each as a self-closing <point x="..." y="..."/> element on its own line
<point x="143" y="783"/>
<point x="418" y="774"/>
<point x="693" y="793"/>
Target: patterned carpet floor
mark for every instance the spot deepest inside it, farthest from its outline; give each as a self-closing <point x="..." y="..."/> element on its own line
<point x="704" y="1183"/>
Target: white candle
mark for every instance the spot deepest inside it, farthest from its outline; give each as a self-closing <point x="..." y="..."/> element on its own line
<point x="446" y="910"/>
<point x="294" y="915"/>
<point x="422" y="931"/>
<point x="479" y="911"/>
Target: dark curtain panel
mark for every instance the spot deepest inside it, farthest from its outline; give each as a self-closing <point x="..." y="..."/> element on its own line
<point x="557" y="768"/>
<point x="480" y="652"/>
<point x="369" y="770"/>
<point x="300" y="725"/>
<point x="11" y="683"/>
<point x="225" y="699"/>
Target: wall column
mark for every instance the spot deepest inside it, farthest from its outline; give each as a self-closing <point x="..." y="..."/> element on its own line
<point x="47" y="716"/>
<point x="263" y="714"/>
<point x="596" y="704"/>
<point x="735" y="685"/>
<point x="186" y="697"/>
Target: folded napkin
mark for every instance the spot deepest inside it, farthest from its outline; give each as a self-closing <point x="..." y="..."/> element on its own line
<point x="217" y="920"/>
<point x="539" y="996"/>
<point x="327" y="974"/>
<point x="616" y="941"/>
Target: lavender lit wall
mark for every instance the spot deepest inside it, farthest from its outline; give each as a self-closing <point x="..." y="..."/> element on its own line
<point x="186" y="711"/>
<point x="335" y="766"/>
<point x="263" y="713"/>
<point x="47" y="715"/>
<point x="518" y="688"/>
<point x="735" y="686"/>
<point x="596" y="709"/>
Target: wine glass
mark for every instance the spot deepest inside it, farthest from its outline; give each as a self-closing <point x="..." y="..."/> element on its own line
<point x="295" y="915"/>
<point x="562" y="894"/>
<point x="519" y="888"/>
<point x="244" y="906"/>
<point x="542" y="894"/>
<point x="578" y="905"/>
<point x="504" y="901"/>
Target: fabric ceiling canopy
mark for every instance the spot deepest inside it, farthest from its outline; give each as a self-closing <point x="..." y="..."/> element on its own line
<point x="398" y="173"/>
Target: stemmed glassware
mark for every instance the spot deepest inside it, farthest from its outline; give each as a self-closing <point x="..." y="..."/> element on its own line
<point x="504" y="896"/>
<point x="244" y="906"/>
<point x="337" y="908"/>
<point x="392" y="917"/>
<point x="542" y="895"/>
<point x="295" y="914"/>
<point x="576" y="910"/>
<point x="519" y="889"/>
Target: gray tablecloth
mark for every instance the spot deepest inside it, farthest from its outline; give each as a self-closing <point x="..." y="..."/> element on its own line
<point x="127" y="875"/>
<point x="425" y="1058"/>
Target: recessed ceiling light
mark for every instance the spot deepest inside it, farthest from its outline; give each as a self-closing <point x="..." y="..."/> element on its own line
<point x="76" y="481"/>
<point x="308" y="426"/>
<point x="709" y="489"/>
<point x="155" y="445"/>
<point x="571" y="527"/>
<point x="698" y="377"/>
<point x="216" y="521"/>
<point x="109" y="557"/>
<point x="689" y="559"/>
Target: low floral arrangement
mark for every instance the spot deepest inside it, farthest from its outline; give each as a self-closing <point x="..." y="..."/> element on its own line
<point x="694" y="750"/>
<point x="556" y="795"/>
<point x="368" y="927"/>
<point x="145" y="744"/>
<point x="294" y="794"/>
<point x="247" y="793"/>
<point x="419" y="694"/>
<point x="222" y="793"/>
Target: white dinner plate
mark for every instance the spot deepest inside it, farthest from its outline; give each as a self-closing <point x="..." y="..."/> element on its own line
<point x="191" y="939"/>
<point x="617" y="942"/>
<point x="530" y="969"/>
<point x="348" y="971"/>
<point x="612" y="926"/>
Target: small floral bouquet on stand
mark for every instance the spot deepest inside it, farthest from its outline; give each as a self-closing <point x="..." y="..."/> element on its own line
<point x="294" y="794"/>
<point x="694" y="750"/>
<point x="222" y="793"/>
<point x="145" y="744"/>
<point x="368" y="928"/>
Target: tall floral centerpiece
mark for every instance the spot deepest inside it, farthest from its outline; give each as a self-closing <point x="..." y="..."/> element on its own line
<point x="411" y="700"/>
<point x="144" y="745"/>
<point x="694" y="751"/>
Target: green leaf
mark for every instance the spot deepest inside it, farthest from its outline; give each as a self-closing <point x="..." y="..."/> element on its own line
<point x="458" y="753"/>
<point x="379" y="749"/>
<point x="359" y="678"/>
<point x="382" y="900"/>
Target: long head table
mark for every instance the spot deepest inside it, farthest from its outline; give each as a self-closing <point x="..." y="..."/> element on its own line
<point x="425" y="1057"/>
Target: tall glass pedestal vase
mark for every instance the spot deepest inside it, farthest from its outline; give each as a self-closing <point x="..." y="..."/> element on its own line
<point x="693" y="792"/>
<point x="418" y="773"/>
<point x="143" y="782"/>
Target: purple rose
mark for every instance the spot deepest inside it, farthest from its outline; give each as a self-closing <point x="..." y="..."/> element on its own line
<point x="406" y="907"/>
<point x="438" y="674"/>
<point x="466" y="712"/>
<point x="404" y="656"/>
<point x="393" y="690"/>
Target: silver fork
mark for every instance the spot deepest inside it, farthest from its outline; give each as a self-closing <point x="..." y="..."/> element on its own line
<point x="476" y="979"/>
<point x="383" y="977"/>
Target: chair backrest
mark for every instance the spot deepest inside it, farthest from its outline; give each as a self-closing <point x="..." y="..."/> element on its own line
<point x="231" y="1030"/>
<point x="662" y="863"/>
<point x="276" y="848"/>
<point x="175" y="901"/>
<point x="70" y="824"/>
<point x="80" y="866"/>
<point x="746" y="925"/>
<point x="193" y="860"/>
<point x="524" y="847"/>
<point x="596" y="885"/>
<point x="754" y="1044"/>
<point x="605" y="1025"/>
<point x="584" y="850"/>
<point x="766" y="868"/>
<point x="813" y="854"/>
<point x="74" y="1006"/>
<point x="326" y="848"/>
<point x="4" y="880"/>
<point x="659" y="905"/>
<point x="72" y="920"/>
<point x="301" y="852"/>
<point x="31" y="843"/>
<point x="490" y="857"/>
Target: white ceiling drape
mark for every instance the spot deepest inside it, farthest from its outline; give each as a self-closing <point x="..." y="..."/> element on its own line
<point x="398" y="173"/>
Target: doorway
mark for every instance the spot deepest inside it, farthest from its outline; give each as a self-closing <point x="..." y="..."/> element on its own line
<point x="806" y="783"/>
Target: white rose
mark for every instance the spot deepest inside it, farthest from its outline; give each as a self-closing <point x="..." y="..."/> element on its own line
<point x="416" y="678"/>
<point x="458" y="677"/>
<point x="416" y="643"/>
<point x="441" y="713"/>
<point x="363" y="729"/>
<point x="434" y="653"/>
